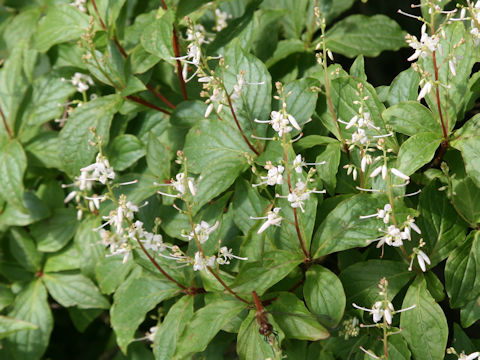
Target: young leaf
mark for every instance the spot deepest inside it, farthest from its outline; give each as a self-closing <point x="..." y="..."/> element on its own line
<point x="324" y="294"/>
<point x="135" y="297"/>
<point x="70" y="289"/>
<point x="462" y="279"/>
<point x="172" y="326"/>
<point x="425" y="321"/>
<point x="158" y="34"/>
<point x="360" y="34"/>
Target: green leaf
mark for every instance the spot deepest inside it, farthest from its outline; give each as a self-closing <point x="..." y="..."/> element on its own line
<point x="217" y="152"/>
<point x="6" y="296"/>
<point x="284" y="49"/>
<point x="367" y="35"/>
<point x="43" y="149"/>
<point x="109" y="11"/>
<point x="343" y="229"/>
<point x="13" y="164"/>
<point x="457" y="43"/>
<point x="158" y="34"/>
<point x="442" y="229"/>
<point x="65" y="259"/>
<point x="62" y="23"/>
<point x="467" y="140"/>
<point x="466" y="200"/>
<point x="293" y="21"/>
<point x="13" y="86"/>
<point x="55" y="232"/>
<point x="75" y="136"/>
<point x="344" y="91"/>
<point x="21" y="27"/>
<point x="417" y="151"/>
<point x="247" y="202"/>
<point x="470" y="313"/>
<point x="70" y="289"/>
<point x="404" y="87"/>
<point x="48" y="92"/>
<point x="358" y="68"/>
<point x="302" y="100"/>
<point x="330" y="10"/>
<point x="9" y="326"/>
<point x="89" y="245"/>
<point x="205" y="324"/>
<point x="24" y="250"/>
<point x="255" y="98"/>
<point x="462" y="279"/>
<point x="158" y="157"/>
<point x="425" y="321"/>
<point x="124" y="151"/>
<point x="172" y="326"/>
<point x="133" y="299"/>
<point x="250" y="343"/>
<point x="81" y="318"/>
<point x="304" y="326"/>
<point x="111" y="272"/>
<point x="313" y="140"/>
<point x="361" y="279"/>
<point x="411" y="118"/>
<point x="328" y="171"/>
<point x="33" y="210"/>
<point x="261" y="275"/>
<point x="324" y="295"/>
<point x="31" y="305"/>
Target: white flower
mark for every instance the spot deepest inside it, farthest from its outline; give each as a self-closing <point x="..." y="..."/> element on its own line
<point x="81" y="81"/>
<point x="201" y="262"/>
<point x="424" y="46"/>
<point x="359" y="136"/>
<point x="98" y="171"/>
<point x="203" y="231"/>
<point x="180" y="184"/>
<point x="80" y="5"/>
<point x="299" y="194"/>
<point x="298" y="163"/>
<point x="393" y="237"/>
<point x="281" y="122"/>
<point x="272" y="219"/>
<point x="472" y="356"/>
<point x="221" y="19"/>
<point x="274" y="175"/>
<point x="381" y="169"/>
<point x="225" y="255"/>
<point x="379" y="310"/>
<point x="399" y="174"/>
<point x="422" y="259"/>
<point x="381" y="214"/>
<point x="426" y="88"/>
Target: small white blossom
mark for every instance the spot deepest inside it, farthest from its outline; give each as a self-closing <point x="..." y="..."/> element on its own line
<point x="472" y="356"/>
<point x="80" y="5"/>
<point x="180" y="184"/>
<point x="281" y="122"/>
<point x="383" y="309"/>
<point x="225" y="255"/>
<point x="381" y="214"/>
<point x="426" y="45"/>
<point x="221" y="19"/>
<point x="202" y="262"/>
<point x="203" y="231"/>
<point x="99" y="171"/>
<point x="274" y="175"/>
<point x="400" y="174"/>
<point x="81" y="81"/>
<point x="272" y="219"/>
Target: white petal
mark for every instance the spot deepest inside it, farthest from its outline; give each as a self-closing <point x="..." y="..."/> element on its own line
<point x="399" y="174"/>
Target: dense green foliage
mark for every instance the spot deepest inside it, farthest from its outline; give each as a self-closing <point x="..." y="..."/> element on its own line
<point x="163" y="162"/>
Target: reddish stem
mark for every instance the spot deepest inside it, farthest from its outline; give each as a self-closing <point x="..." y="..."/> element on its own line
<point x="146" y="103"/>
<point x="5" y="124"/>
<point x="176" y="51"/>
<point x="160" y="96"/>
<point x="159" y="268"/>
<point x="226" y="286"/>
<point x="437" y="93"/>
<point x="230" y="105"/>
<point x="125" y="55"/>
<point x="297" y="227"/>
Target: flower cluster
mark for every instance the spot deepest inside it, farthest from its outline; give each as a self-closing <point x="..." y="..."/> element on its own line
<point x="81" y="81"/>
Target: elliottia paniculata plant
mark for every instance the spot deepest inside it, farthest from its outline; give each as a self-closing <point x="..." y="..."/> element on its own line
<point x="217" y="179"/>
